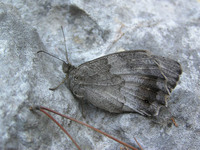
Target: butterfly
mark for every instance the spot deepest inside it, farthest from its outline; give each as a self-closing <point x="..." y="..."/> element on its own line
<point x="129" y="81"/>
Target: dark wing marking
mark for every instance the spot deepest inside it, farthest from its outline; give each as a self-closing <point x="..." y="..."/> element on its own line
<point x="171" y="69"/>
<point x="128" y="81"/>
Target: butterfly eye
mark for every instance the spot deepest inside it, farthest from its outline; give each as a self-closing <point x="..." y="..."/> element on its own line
<point x="146" y="101"/>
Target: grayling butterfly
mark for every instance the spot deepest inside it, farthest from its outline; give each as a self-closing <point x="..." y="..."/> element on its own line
<point x="129" y="81"/>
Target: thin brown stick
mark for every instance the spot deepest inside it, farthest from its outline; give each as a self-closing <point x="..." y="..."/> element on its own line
<point x="60" y="127"/>
<point x="174" y="122"/>
<point x="91" y="127"/>
<point x="138" y="143"/>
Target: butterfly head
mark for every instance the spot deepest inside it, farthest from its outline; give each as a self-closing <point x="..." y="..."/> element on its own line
<point x="67" y="67"/>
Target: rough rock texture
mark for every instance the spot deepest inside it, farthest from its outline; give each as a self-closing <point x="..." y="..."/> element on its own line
<point x="167" y="28"/>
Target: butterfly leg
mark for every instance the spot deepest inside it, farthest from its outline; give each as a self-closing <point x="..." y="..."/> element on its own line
<point x="59" y="84"/>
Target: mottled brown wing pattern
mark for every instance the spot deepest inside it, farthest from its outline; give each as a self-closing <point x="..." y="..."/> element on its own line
<point x="130" y="81"/>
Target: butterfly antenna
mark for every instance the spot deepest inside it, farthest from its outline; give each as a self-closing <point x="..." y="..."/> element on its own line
<point x="51" y="55"/>
<point x="65" y="45"/>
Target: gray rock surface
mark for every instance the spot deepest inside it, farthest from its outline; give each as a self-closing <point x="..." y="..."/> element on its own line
<point x="167" y="28"/>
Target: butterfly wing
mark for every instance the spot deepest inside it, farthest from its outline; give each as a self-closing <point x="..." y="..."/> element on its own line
<point x="130" y="81"/>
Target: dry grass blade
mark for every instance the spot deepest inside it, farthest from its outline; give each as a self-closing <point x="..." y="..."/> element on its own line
<point x="138" y="143"/>
<point x="124" y="148"/>
<point x="61" y="128"/>
<point x="174" y="122"/>
<point x="91" y="127"/>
